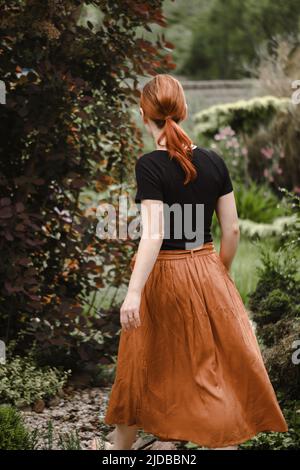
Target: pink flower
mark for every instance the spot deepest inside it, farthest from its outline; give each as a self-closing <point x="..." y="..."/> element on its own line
<point x="279" y="171"/>
<point x="224" y="133"/>
<point x="230" y="144"/>
<point x="267" y="152"/>
<point x="266" y="173"/>
<point x="228" y="131"/>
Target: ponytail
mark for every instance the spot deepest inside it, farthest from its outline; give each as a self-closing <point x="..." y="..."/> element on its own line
<point x="163" y="101"/>
<point x="179" y="146"/>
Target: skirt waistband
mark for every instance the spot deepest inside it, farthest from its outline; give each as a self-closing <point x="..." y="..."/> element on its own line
<point x="203" y="249"/>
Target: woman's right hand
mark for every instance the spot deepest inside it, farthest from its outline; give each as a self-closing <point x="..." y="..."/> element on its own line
<point x="130" y="311"/>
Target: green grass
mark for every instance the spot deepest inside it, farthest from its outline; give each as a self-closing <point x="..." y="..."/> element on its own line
<point x="243" y="269"/>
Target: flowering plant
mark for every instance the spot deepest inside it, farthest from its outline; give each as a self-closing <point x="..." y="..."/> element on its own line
<point x="231" y="148"/>
<point x="272" y="156"/>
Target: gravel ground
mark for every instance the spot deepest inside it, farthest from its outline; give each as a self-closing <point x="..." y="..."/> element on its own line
<point x="75" y="417"/>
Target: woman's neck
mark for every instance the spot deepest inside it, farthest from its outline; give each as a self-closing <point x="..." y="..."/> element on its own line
<point x="156" y="133"/>
<point x="161" y="147"/>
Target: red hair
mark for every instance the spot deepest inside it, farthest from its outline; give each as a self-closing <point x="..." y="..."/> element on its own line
<point x="162" y="100"/>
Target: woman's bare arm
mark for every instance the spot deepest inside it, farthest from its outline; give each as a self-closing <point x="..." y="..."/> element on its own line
<point x="148" y="249"/>
<point x="229" y="223"/>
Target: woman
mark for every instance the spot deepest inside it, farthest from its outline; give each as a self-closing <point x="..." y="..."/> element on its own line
<point x="189" y="366"/>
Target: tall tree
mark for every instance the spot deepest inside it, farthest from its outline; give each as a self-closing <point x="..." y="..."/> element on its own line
<point x="70" y="79"/>
<point x="227" y="36"/>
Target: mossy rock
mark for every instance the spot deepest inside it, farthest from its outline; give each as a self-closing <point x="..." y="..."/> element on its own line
<point x="272" y="333"/>
<point x="283" y="372"/>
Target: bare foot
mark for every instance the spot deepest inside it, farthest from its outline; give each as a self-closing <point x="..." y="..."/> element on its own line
<point x="108" y="446"/>
<point x="110" y="436"/>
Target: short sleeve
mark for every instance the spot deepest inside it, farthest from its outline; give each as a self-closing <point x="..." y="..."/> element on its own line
<point x="227" y="183"/>
<point x="148" y="182"/>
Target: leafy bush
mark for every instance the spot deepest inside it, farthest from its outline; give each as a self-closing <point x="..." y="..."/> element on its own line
<point x="71" y="79"/>
<point x="272" y="336"/>
<point x="259" y="211"/>
<point x="22" y="382"/>
<point x="242" y="116"/>
<point x="258" y="138"/>
<point x="279" y="66"/>
<point x="13" y="433"/>
<point x="285" y="228"/>
<point x="257" y="202"/>
<point x="256" y="230"/>
<point x="291" y="236"/>
<point x="278" y="272"/>
<point x="275" y="306"/>
<point x="277" y="440"/>
<point x="284" y="374"/>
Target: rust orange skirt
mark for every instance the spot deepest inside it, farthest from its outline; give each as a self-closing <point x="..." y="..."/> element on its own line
<point x="193" y="370"/>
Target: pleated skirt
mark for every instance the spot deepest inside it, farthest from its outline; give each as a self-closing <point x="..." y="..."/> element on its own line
<point x="193" y="371"/>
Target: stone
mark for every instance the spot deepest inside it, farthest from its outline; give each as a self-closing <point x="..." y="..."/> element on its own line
<point x="39" y="406"/>
<point x="54" y="401"/>
<point x="58" y="414"/>
<point x="161" y="445"/>
<point x="27" y="409"/>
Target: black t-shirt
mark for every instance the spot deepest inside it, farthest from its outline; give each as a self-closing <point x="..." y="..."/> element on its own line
<point x="188" y="209"/>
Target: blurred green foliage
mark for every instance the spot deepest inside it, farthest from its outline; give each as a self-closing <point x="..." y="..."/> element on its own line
<point x="244" y="116"/>
<point x="13" y="433"/>
<point x="220" y="40"/>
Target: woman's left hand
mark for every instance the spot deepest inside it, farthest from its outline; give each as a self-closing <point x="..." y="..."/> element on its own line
<point x="130" y="311"/>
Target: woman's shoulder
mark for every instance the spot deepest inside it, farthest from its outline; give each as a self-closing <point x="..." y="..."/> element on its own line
<point x="149" y="159"/>
<point x="212" y="156"/>
<point x="210" y="153"/>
